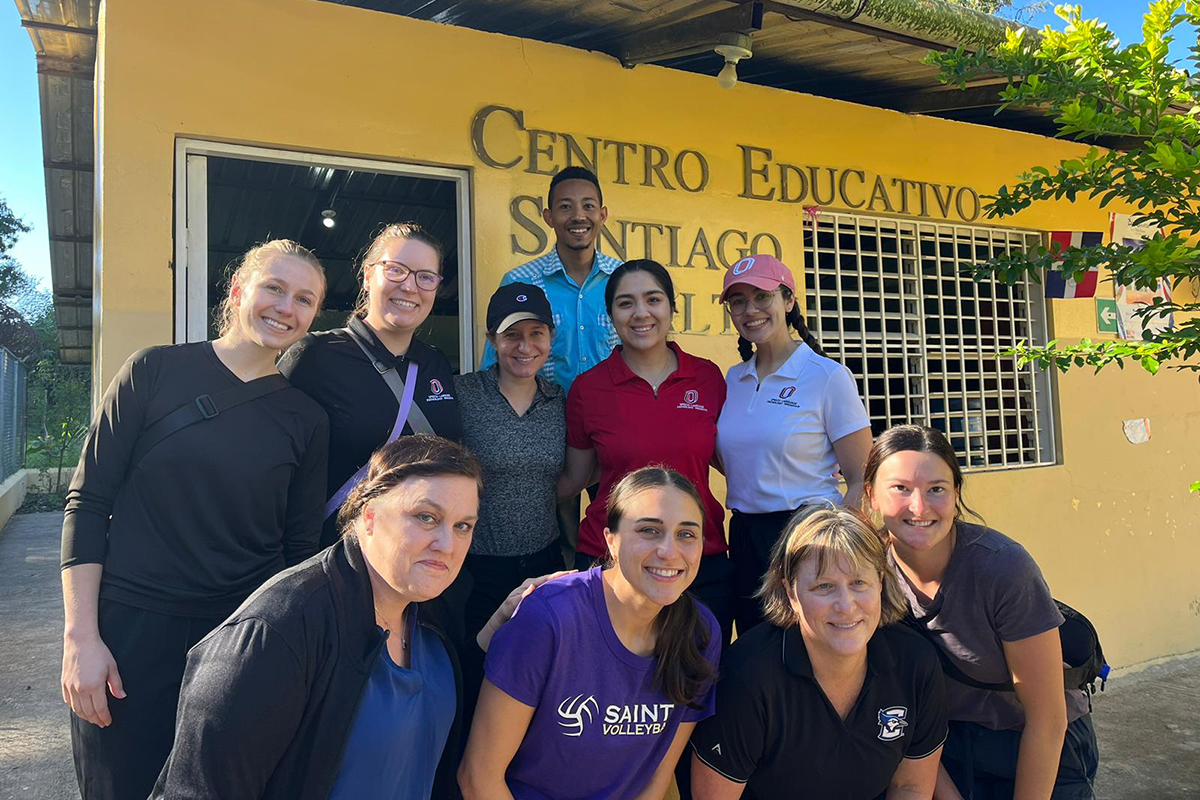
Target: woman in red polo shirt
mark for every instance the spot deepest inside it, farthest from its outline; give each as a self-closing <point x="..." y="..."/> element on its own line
<point x="648" y="403"/>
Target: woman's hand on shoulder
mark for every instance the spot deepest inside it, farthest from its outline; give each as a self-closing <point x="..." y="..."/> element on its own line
<point x="509" y="607"/>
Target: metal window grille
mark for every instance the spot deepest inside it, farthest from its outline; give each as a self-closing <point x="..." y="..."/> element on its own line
<point x="886" y="298"/>
<point x="12" y="414"/>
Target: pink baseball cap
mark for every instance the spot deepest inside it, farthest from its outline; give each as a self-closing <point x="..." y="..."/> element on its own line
<point x="761" y="272"/>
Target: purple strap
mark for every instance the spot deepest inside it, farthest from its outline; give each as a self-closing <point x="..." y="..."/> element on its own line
<point x="410" y="383"/>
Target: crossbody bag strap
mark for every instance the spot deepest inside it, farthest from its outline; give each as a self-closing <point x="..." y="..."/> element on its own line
<point x="949" y="668"/>
<point x="402" y="414"/>
<point x="416" y="417"/>
<point x="201" y="408"/>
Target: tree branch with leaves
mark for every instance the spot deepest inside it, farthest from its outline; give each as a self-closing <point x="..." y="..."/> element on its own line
<point x="1098" y="91"/>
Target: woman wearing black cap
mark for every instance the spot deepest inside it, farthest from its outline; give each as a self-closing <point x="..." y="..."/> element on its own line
<point x="514" y="421"/>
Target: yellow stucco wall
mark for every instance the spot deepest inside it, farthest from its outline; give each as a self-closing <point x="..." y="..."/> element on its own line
<point x="1112" y="526"/>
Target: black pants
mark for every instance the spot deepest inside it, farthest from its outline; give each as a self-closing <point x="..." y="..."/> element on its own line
<point x="494" y="578"/>
<point x="122" y="761"/>
<point x="751" y="537"/>
<point x="983" y="762"/>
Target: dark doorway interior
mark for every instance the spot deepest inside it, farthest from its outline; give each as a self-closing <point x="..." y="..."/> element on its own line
<point x="253" y="201"/>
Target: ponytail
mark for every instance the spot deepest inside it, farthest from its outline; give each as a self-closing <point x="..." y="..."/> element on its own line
<point x="681" y="670"/>
<point x="795" y="321"/>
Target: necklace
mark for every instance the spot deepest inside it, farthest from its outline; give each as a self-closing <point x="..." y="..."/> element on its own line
<point x="388" y="628"/>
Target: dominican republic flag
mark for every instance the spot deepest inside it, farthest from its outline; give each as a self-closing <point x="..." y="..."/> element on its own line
<point x="1060" y="285"/>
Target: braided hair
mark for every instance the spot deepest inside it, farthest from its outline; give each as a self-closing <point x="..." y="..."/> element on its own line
<point x="794" y="320"/>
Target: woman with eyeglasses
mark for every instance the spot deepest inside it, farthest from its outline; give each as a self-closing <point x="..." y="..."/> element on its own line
<point x="374" y="378"/>
<point x="792" y="420"/>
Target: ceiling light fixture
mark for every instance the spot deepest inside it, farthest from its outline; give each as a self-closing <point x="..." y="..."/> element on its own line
<point x="733" y="47"/>
<point x="327" y="218"/>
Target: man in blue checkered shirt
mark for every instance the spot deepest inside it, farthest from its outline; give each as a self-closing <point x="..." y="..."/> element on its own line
<point x="573" y="276"/>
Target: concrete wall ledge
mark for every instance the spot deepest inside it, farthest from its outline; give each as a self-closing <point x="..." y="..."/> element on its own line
<point x="12" y="493"/>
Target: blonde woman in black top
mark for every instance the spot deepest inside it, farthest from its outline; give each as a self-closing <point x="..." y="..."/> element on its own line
<point x="200" y="478"/>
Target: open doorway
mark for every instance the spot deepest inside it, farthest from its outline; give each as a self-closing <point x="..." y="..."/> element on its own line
<point x="234" y="197"/>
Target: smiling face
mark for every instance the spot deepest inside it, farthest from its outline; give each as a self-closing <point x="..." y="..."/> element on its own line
<point x="401" y="306"/>
<point x="522" y="348"/>
<point x="276" y="304"/>
<point x="657" y="545"/>
<point x="641" y="311"/>
<point x="575" y="214"/>
<point x="759" y="325"/>
<point x="838" y="607"/>
<point x="914" y="492"/>
<point x="416" y="536"/>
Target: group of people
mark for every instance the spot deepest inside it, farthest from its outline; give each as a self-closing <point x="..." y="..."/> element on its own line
<point x="322" y="565"/>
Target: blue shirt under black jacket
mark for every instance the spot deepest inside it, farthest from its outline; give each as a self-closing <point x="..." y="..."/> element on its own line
<point x="583" y="333"/>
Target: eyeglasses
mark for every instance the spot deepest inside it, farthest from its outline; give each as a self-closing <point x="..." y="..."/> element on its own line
<point x="761" y="300"/>
<point x="396" y="272"/>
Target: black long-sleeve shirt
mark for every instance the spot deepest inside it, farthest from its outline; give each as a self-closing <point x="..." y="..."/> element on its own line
<point x="333" y="370"/>
<point x="211" y="511"/>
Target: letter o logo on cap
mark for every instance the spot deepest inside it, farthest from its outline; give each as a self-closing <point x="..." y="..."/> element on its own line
<point x="521" y="298"/>
<point x="743" y="266"/>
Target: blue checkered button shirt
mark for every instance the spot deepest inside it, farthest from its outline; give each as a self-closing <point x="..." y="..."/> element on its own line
<point x="583" y="333"/>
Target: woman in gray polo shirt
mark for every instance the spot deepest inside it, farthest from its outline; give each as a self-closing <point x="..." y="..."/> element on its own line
<point x="981" y="599"/>
<point x="514" y="421"/>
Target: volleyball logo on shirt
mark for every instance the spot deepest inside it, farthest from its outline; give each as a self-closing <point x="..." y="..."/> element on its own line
<point x="574" y="710"/>
<point x="787" y="392"/>
<point x="636" y="719"/>
<point x="691" y="400"/>
<point x="892" y="723"/>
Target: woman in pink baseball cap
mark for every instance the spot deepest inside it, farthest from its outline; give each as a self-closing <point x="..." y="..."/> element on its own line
<point x="792" y="419"/>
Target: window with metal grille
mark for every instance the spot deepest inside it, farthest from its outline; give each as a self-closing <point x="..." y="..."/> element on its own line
<point x="886" y="297"/>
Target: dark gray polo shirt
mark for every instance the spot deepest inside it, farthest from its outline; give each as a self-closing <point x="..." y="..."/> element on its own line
<point x="993" y="592"/>
<point x="522" y="457"/>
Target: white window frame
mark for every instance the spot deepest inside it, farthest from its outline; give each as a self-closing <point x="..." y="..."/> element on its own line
<point x="191" y="227"/>
<point x="976" y="419"/>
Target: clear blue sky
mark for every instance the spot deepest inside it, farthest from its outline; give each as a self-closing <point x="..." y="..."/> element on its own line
<point x="22" y="177"/>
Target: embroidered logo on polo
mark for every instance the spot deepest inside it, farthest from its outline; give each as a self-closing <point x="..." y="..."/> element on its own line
<point x="640" y="719"/>
<point x="784" y="398"/>
<point x="691" y="400"/>
<point x="437" y="392"/>
<point x="892" y="722"/>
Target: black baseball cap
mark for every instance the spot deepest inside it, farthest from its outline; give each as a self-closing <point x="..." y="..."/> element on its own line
<point x="514" y="302"/>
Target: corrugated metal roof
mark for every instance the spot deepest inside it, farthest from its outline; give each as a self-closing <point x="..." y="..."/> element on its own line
<point x="863" y="51"/>
<point x="63" y="33"/>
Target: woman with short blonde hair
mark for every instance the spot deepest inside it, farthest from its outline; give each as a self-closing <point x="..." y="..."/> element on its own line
<point x="827" y="534"/>
<point x="868" y="693"/>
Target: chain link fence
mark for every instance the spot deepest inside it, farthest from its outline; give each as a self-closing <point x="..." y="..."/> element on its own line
<point x="12" y="414"/>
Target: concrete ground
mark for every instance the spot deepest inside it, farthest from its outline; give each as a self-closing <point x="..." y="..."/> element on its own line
<point x="1148" y="722"/>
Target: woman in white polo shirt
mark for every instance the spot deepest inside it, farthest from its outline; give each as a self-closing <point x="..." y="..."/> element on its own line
<point x="792" y="417"/>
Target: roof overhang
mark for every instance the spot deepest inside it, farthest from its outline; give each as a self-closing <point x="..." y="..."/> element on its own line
<point x="64" y="35"/>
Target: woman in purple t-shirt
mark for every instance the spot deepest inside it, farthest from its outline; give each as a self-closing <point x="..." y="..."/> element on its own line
<point x="982" y="600"/>
<point x="594" y="687"/>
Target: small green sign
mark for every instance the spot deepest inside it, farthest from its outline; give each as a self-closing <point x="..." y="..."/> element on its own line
<point x="1106" y="315"/>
